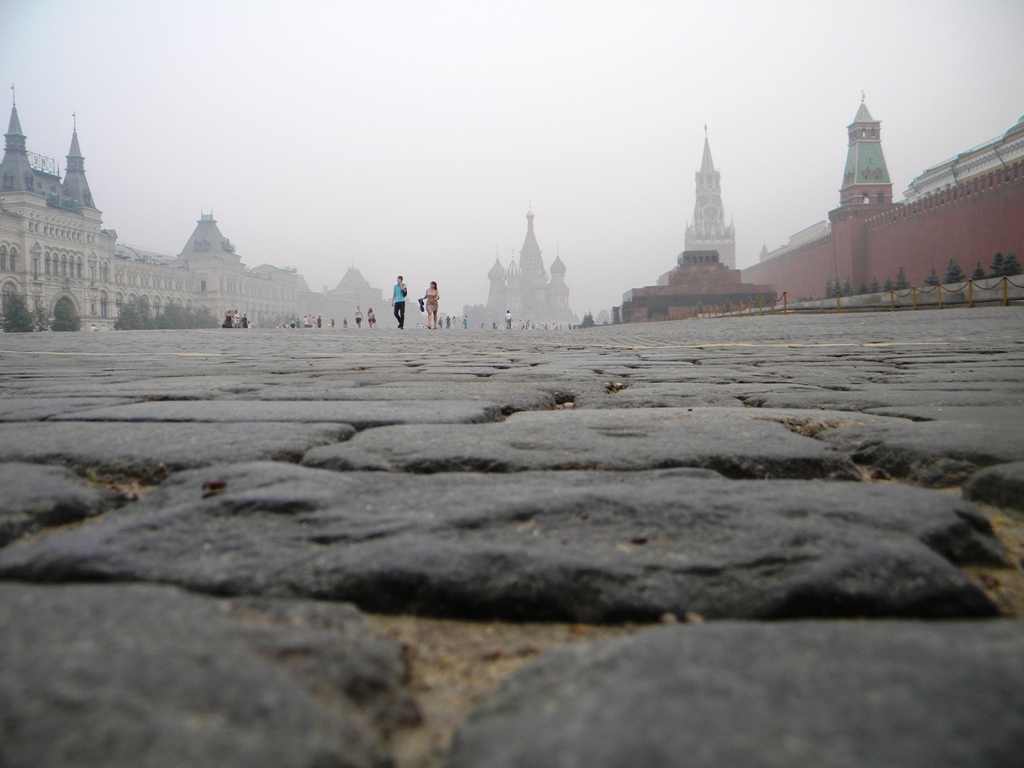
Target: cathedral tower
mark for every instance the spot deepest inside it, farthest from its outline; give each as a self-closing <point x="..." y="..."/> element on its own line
<point x="709" y="232"/>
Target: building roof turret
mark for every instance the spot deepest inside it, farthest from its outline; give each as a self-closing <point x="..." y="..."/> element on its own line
<point x="557" y="267"/>
<point x="75" y="185"/>
<point x="513" y="271"/>
<point x="206" y="240"/>
<point x="15" y="171"/>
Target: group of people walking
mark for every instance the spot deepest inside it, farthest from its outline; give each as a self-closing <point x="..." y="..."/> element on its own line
<point x="428" y="303"/>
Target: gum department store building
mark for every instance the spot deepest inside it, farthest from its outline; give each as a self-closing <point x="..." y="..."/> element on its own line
<point x="54" y="249"/>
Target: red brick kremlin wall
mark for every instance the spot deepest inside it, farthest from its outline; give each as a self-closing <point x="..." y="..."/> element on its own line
<point x="969" y="223"/>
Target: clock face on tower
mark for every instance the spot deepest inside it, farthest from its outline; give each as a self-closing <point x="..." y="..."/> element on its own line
<point x="709" y="212"/>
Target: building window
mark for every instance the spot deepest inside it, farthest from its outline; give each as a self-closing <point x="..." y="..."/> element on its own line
<point x="103" y="306"/>
<point x="46" y="263"/>
<point x="881" y="197"/>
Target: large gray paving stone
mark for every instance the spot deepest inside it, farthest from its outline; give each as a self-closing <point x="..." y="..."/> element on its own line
<point x="829" y="695"/>
<point x="33" y="497"/>
<point x="510" y="397"/>
<point x="588" y="546"/>
<point x="25" y="408"/>
<point x="1001" y="486"/>
<point x="737" y="442"/>
<point x="111" y="676"/>
<point x="878" y="399"/>
<point x="934" y="446"/>
<point x="157" y="448"/>
<point x="360" y="414"/>
<point x="629" y="393"/>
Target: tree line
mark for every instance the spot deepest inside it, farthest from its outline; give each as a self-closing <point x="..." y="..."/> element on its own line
<point x="1001" y="266"/>
<point x="17" y="317"/>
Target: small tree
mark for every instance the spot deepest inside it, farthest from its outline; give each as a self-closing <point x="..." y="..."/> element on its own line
<point x="847" y="287"/>
<point x="40" y="318"/>
<point x="587" y="321"/>
<point x="17" y="315"/>
<point x="874" y="287"/>
<point x="829" y="290"/>
<point x="997" y="266"/>
<point x="889" y="285"/>
<point x="932" y="279"/>
<point x="901" y="280"/>
<point x="953" y="273"/>
<point x="135" y="316"/>
<point x="978" y="273"/>
<point x="1011" y="266"/>
<point x="65" y="318"/>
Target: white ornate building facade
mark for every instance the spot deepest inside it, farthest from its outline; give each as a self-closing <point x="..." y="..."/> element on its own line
<point x="54" y="249"/>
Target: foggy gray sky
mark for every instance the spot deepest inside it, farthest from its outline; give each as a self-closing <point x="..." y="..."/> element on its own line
<point x="411" y="137"/>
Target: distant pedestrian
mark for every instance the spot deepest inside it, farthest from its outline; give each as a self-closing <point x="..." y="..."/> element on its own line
<point x="344" y="322"/>
<point x="229" y="320"/>
<point x="508" y="320"/>
<point x="398" y="294"/>
<point x="359" y="317"/>
<point x="431" y="299"/>
<point x="465" y="323"/>
<point x="332" y="322"/>
<point x="245" y="321"/>
<point x="319" y="322"/>
<point x="371" y="319"/>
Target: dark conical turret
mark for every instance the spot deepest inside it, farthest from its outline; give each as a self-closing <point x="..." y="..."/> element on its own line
<point x="76" y="188"/>
<point x="15" y="171"/>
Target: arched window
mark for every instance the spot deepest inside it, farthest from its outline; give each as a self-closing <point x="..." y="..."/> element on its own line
<point x="14" y="259"/>
<point x="46" y="263"/>
<point x="63" y="265"/>
<point x="881" y="197"/>
<point x="103" y="305"/>
<point x="78" y="264"/>
<point x="5" y="296"/>
<point x="866" y="198"/>
<point x="3" y="257"/>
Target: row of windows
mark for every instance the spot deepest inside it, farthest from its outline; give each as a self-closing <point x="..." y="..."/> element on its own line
<point x="62" y="267"/>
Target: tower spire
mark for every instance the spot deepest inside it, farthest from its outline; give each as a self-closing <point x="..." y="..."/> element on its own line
<point x="75" y="185"/>
<point x="865" y="177"/>
<point x="16" y="173"/>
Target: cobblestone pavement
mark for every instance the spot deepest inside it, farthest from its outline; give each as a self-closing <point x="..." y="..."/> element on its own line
<point x="715" y="475"/>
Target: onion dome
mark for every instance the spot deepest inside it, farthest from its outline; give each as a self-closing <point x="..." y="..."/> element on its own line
<point x="497" y="272"/>
<point x="513" y="270"/>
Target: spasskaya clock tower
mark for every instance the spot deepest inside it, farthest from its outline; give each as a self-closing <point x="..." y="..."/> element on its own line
<point x="709" y="232"/>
